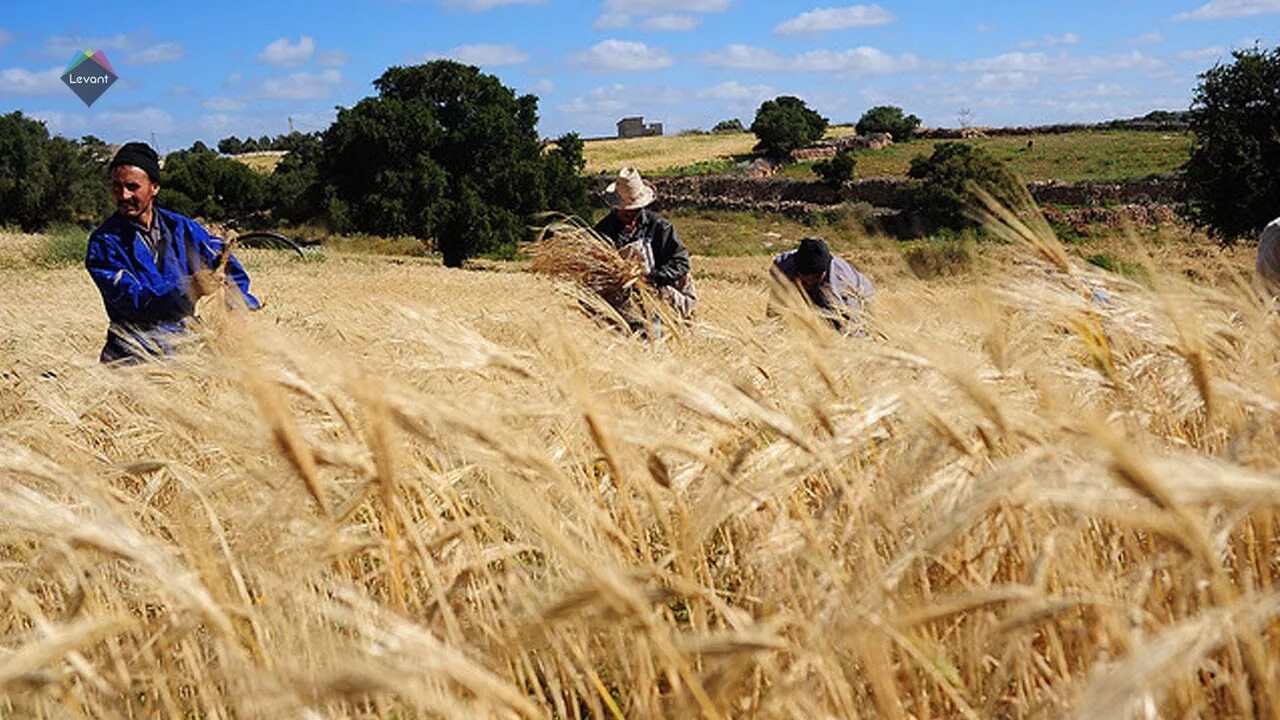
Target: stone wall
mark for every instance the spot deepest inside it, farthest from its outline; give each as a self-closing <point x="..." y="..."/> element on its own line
<point x="732" y="192"/>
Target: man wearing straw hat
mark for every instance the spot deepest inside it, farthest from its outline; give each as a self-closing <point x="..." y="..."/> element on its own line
<point x="151" y="265"/>
<point x="649" y="239"/>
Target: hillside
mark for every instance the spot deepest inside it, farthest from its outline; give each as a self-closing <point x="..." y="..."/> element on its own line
<point x="1083" y="155"/>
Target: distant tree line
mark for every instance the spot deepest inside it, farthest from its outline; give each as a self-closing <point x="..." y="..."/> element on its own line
<point x="448" y="154"/>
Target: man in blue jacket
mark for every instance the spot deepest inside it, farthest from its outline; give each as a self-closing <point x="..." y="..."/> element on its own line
<point x="151" y="265"/>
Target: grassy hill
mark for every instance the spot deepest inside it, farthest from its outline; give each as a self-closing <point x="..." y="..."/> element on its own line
<point x="1084" y="155"/>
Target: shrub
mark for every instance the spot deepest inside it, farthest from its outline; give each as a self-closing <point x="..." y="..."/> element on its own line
<point x="785" y="124"/>
<point x="732" y="125"/>
<point x="940" y="192"/>
<point x="448" y="154"/>
<point x="1232" y="176"/>
<point x="838" y="170"/>
<point x="64" y="244"/>
<point x="888" y="119"/>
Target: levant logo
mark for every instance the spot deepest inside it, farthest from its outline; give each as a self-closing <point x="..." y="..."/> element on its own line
<point x="89" y="74"/>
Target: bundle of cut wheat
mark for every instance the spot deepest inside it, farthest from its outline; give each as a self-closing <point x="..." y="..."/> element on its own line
<point x="569" y="248"/>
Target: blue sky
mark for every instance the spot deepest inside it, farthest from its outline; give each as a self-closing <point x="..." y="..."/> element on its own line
<point x="206" y="71"/>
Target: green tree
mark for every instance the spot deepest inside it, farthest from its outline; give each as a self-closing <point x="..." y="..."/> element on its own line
<point x="785" y="124"/>
<point x="447" y="153"/>
<point x="940" y="188"/>
<point x="888" y="119"/>
<point x="1233" y="174"/>
<point x="200" y="182"/>
<point x="46" y="180"/>
<point x="838" y="170"/>
<point x="732" y="125"/>
<point x="296" y="193"/>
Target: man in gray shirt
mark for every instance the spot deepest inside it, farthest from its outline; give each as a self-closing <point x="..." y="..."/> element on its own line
<point x="828" y="282"/>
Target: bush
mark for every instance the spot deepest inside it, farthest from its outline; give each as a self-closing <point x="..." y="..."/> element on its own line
<point x="448" y="154"/>
<point x="199" y="182"/>
<point x="785" y="124"/>
<point x="64" y="244"/>
<point x="732" y="125"/>
<point x="46" y="180"/>
<point x="1233" y="175"/>
<point x="940" y="192"/>
<point x="838" y="170"/>
<point x="888" y="119"/>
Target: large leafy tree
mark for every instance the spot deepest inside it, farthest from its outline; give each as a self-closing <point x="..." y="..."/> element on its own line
<point x="786" y="123"/>
<point x="48" y="179"/>
<point x="888" y="119"/>
<point x="448" y="154"/>
<point x="1233" y="175"/>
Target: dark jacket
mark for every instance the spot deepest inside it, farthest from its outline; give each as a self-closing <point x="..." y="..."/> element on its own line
<point x="148" y="298"/>
<point x="670" y="258"/>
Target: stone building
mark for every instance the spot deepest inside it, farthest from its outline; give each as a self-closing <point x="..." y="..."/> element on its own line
<point x="633" y="127"/>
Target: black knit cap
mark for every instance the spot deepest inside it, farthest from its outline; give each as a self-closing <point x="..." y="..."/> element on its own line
<point x="813" y="257"/>
<point x="141" y="156"/>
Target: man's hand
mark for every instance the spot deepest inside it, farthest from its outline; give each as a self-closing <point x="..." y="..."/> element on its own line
<point x="207" y="282"/>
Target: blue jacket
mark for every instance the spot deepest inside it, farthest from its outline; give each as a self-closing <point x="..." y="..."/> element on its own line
<point x="149" y="305"/>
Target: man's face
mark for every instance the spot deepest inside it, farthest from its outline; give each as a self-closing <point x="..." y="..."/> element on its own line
<point x="133" y="191"/>
<point x="627" y="215"/>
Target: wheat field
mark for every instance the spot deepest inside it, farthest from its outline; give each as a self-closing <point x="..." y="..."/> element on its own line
<point x="401" y="491"/>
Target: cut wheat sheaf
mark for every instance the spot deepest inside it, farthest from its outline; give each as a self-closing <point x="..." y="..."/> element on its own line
<point x="1051" y="492"/>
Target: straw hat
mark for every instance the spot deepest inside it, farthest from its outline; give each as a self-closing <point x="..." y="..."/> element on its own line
<point x="629" y="191"/>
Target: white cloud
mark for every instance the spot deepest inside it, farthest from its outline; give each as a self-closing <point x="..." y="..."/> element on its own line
<point x="660" y="15"/>
<point x="1151" y="38"/>
<point x="484" y="55"/>
<point x="20" y="81"/>
<point x="617" y="100"/>
<point x="138" y="122"/>
<point x="670" y="23"/>
<point x="737" y="93"/>
<point x="827" y="19"/>
<point x="332" y="59"/>
<point x="745" y="57"/>
<point x="64" y="46"/>
<point x="1208" y="53"/>
<point x="1051" y="41"/>
<point x="650" y="7"/>
<point x="985" y="27"/>
<point x="622" y="56"/>
<point x="155" y="54"/>
<point x="1222" y="9"/>
<point x="857" y="61"/>
<point x="1062" y="64"/>
<point x="612" y="21"/>
<point x="542" y="87"/>
<point x="283" y="53"/>
<point x="301" y="86"/>
<point x="1006" y="81"/>
<point x="223" y="104"/>
<point x="482" y="5"/>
